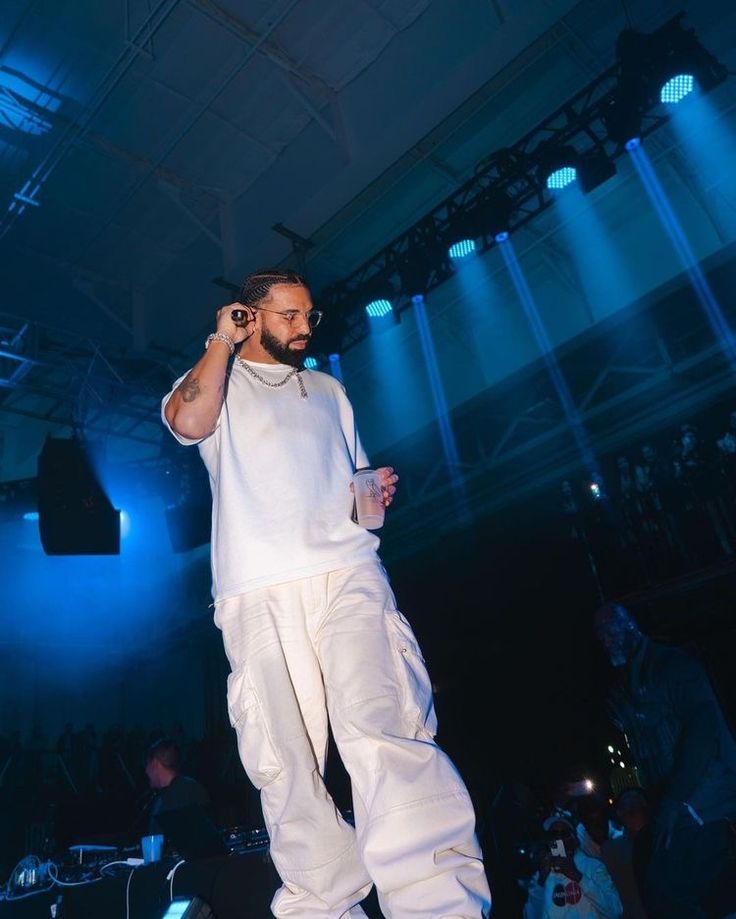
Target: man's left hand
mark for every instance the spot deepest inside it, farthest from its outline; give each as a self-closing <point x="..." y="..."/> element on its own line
<point x="388" y="479"/>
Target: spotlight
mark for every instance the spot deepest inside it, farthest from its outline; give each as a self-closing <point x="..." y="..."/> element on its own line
<point x="562" y="177"/>
<point x="676" y="88"/>
<point x="561" y="166"/>
<point x="557" y="167"/>
<point x="311" y="363"/>
<point x="654" y="68"/>
<point x="461" y="249"/>
<point x="679" y="63"/>
<point x="489" y="214"/>
<point x="378" y="295"/>
<point x="378" y="308"/>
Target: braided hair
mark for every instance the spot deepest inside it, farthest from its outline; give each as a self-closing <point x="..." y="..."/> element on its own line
<point x="257" y="286"/>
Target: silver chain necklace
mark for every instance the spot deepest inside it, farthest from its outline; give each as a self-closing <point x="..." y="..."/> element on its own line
<point x="293" y="372"/>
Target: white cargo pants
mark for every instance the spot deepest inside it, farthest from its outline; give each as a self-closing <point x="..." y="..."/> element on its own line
<point x="336" y="644"/>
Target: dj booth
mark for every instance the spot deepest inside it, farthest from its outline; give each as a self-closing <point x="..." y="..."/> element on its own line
<point x="235" y="886"/>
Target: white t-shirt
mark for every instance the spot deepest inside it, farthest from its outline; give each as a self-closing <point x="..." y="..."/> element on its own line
<point x="279" y="467"/>
<point x="594" y="897"/>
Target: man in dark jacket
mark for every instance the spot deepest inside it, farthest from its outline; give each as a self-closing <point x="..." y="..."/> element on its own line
<point x="663" y="702"/>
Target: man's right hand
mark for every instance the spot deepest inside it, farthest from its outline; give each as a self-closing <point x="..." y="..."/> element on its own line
<point x="237" y="331"/>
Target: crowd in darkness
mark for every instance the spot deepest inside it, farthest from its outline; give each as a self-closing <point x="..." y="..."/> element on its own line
<point x="663" y="509"/>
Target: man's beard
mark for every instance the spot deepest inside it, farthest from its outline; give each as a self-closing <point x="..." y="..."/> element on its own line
<point x="281" y="352"/>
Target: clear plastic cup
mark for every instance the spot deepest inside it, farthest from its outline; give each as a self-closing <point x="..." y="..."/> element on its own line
<point x="369" y="507"/>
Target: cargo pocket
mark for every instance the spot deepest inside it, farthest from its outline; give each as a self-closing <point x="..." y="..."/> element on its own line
<point x="412" y="674"/>
<point x="257" y="752"/>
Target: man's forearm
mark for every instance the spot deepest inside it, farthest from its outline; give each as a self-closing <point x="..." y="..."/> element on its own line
<point x="194" y="407"/>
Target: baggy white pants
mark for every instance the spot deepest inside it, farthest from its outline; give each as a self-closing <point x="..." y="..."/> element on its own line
<point x="336" y="644"/>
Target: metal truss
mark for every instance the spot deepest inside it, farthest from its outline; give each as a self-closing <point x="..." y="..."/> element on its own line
<point x="506" y="191"/>
<point x="52" y="376"/>
<point x="630" y="378"/>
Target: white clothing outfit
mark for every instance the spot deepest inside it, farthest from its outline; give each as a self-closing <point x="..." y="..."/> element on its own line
<point x="594" y="897"/>
<point x="311" y="631"/>
<point x="279" y="469"/>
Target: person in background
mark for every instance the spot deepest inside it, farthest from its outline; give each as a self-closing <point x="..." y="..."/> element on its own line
<point x="312" y="631"/>
<point x="569" y="883"/>
<point x="627" y="854"/>
<point x="173" y="790"/>
<point x="662" y="700"/>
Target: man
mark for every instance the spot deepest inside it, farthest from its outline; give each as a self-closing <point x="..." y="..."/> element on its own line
<point x="569" y="882"/>
<point x="311" y="629"/>
<point x="663" y="702"/>
<point x="174" y="791"/>
<point x="623" y="854"/>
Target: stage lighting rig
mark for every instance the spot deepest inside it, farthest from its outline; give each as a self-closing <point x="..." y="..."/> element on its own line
<point x="656" y="67"/>
<point x="561" y="166"/>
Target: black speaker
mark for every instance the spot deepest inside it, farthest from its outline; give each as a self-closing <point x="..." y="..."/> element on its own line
<point x="75" y="516"/>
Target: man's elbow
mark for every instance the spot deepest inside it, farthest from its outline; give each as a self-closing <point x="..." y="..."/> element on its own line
<point x="187" y="427"/>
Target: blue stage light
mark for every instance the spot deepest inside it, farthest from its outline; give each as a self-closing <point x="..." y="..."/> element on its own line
<point x="462" y="249"/>
<point x="311" y="363"/>
<point x="378" y="308"/>
<point x="561" y="178"/>
<point x="676" y="88"/>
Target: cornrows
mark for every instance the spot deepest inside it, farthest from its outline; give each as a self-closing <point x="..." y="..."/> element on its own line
<point x="257" y="286"/>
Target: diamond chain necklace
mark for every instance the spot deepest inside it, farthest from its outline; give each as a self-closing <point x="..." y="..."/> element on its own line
<point x="293" y="372"/>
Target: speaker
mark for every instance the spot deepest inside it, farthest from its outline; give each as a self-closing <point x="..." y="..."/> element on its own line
<point x="75" y="516"/>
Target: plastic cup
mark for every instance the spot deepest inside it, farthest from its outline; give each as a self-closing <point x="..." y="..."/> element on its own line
<point x="152" y="848"/>
<point x="369" y="506"/>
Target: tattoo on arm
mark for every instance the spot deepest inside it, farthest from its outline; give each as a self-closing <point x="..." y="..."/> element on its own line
<point x="190" y="389"/>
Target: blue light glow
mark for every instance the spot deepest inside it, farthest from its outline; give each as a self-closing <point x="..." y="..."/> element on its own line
<point x="462" y="249"/>
<point x="722" y="331"/>
<point x="676" y="88"/>
<point x="335" y="367"/>
<point x="502" y="237"/>
<point x="311" y="363"/>
<point x="177" y="908"/>
<point x="544" y="344"/>
<point x="30" y="515"/>
<point x="124" y="524"/>
<point x="561" y="178"/>
<point x="447" y="435"/>
<point x="378" y="308"/>
<point x="633" y="144"/>
<point x="22" y="102"/>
